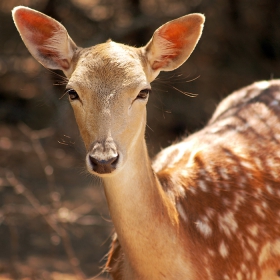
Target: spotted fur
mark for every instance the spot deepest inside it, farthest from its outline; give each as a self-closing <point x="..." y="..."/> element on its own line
<point x="226" y="187"/>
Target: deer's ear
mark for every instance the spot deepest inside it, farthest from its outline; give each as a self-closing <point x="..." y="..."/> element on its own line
<point x="173" y="42"/>
<point x="46" y="39"/>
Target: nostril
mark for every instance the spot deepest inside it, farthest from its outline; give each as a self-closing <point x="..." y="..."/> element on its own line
<point x="103" y="166"/>
<point x="115" y="161"/>
<point x="94" y="162"/>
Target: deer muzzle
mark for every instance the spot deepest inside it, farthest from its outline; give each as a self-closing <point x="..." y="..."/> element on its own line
<point x="103" y="157"/>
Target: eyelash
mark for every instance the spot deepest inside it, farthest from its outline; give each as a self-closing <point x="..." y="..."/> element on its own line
<point x="144" y="93"/>
<point x="73" y="95"/>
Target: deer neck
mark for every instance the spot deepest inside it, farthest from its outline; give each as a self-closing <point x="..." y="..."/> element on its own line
<point x="141" y="212"/>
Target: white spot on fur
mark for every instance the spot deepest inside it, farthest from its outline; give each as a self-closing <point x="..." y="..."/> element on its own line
<point x="210" y="212"/>
<point x="268" y="251"/>
<point x="259" y="211"/>
<point x="239" y="275"/>
<point x="248" y="255"/>
<point x="181" y="190"/>
<point x="235" y="169"/>
<point x="264" y="204"/>
<point x="259" y="191"/>
<point x="274" y="173"/>
<point x="276" y="248"/>
<point x="270" y="163"/>
<point x="204" y="227"/>
<point x="223" y="250"/>
<point x="240" y="238"/>
<point x="264" y="254"/>
<point x="211" y="253"/>
<point x="192" y="190"/>
<point x="239" y="200"/>
<point x="250" y="176"/>
<point x="178" y="157"/>
<point x="224" y="173"/>
<point x="184" y="173"/>
<point x="208" y="273"/>
<point x="227" y="223"/>
<point x="273" y="166"/>
<point x="269" y="189"/>
<point x="259" y="163"/>
<point x="226" y="201"/>
<point x="182" y="212"/>
<point x="202" y="185"/>
<point x="252" y="244"/>
<point x="247" y="165"/>
<point x="253" y="230"/>
<point x="244" y="267"/>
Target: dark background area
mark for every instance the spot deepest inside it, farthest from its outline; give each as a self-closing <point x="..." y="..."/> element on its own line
<point x="54" y="222"/>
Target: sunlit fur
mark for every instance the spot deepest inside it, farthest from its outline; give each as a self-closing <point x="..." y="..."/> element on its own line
<point x="207" y="207"/>
<point x="224" y="181"/>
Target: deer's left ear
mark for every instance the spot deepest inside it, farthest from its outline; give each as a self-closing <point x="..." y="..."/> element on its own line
<point x="173" y="42"/>
<point x="46" y="39"/>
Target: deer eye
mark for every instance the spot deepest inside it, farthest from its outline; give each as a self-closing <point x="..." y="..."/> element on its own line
<point x="73" y="95"/>
<point x="144" y="93"/>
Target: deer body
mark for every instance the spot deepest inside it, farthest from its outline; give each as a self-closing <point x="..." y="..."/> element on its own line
<point x="208" y="207"/>
<point x="229" y="198"/>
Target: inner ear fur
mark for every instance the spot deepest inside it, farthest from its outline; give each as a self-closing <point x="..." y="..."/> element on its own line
<point x="46" y="39"/>
<point x="173" y="42"/>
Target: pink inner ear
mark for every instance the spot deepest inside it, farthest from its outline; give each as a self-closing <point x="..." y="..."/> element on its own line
<point x="175" y="33"/>
<point x="164" y="60"/>
<point x="41" y="27"/>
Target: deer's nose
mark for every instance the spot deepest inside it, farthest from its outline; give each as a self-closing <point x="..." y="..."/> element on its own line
<point x="103" y="157"/>
<point x="102" y="166"/>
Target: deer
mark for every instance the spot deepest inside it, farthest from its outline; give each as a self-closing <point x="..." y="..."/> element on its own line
<point x="207" y="207"/>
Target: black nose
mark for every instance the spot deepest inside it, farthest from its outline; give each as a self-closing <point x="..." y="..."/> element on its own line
<point x="103" y="156"/>
<point x="103" y="166"/>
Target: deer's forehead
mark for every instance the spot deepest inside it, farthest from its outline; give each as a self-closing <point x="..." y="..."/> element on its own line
<point x="113" y="70"/>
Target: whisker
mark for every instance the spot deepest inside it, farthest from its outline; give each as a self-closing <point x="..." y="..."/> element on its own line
<point x="63" y="143"/>
<point x="189" y="94"/>
<point x="58" y="75"/>
<point x="191" y="80"/>
<point x="149" y="127"/>
<point x="60" y="84"/>
<point x="180" y="81"/>
<point x="62" y="95"/>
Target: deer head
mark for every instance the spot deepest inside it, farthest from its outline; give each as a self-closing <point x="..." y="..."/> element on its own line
<point x="108" y="84"/>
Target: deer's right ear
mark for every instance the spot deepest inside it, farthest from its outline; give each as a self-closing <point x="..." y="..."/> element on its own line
<point x="46" y="39"/>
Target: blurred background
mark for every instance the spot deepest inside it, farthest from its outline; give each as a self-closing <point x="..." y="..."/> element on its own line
<point x="54" y="222"/>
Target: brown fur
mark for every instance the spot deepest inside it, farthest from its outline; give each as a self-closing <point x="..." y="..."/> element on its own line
<point x="208" y="207"/>
<point x="231" y="186"/>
